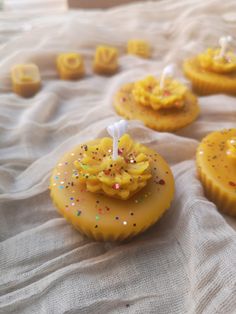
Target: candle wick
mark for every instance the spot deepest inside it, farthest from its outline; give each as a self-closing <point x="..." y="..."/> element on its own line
<point x="168" y="71"/>
<point x="115" y="148"/>
<point x="116" y="130"/>
<point x="224" y="43"/>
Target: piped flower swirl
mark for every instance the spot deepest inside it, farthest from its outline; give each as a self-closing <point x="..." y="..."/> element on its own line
<point x="120" y="178"/>
<point x="231" y="152"/>
<point x="148" y="92"/>
<point x="211" y="60"/>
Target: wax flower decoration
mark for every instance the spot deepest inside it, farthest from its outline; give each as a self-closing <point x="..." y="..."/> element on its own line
<point x="119" y="177"/>
<point x="159" y="94"/>
<point x="220" y="60"/>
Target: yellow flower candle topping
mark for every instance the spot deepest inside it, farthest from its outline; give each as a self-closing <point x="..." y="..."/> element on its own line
<point x="219" y="60"/>
<point x="211" y="61"/>
<point x="231" y="152"/>
<point x="150" y="92"/>
<point x="121" y="177"/>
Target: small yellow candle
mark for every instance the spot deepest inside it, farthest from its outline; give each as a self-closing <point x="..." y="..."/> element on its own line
<point x="139" y="48"/>
<point x="105" y="60"/>
<point x="25" y="79"/>
<point x="70" y="66"/>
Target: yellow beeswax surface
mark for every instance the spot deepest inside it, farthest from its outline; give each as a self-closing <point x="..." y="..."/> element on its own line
<point x="216" y="161"/>
<point x="104" y="217"/>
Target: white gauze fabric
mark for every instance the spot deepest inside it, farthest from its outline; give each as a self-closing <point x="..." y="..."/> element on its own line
<point x="186" y="262"/>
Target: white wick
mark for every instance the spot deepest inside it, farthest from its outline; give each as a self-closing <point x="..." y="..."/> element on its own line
<point x="116" y="130"/>
<point x="224" y="43"/>
<point x="168" y="71"/>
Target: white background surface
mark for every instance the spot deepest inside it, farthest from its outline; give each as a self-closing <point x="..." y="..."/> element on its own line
<point x="186" y="262"/>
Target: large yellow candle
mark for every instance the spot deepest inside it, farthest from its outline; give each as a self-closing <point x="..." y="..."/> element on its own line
<point x="216" y="161"/>
<point x="112" y="199"/>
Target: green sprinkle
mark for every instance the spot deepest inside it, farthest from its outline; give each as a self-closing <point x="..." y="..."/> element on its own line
<point x="85" y="167"/>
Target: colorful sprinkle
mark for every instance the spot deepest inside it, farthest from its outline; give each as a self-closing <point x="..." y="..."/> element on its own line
<point x="166" y="93"/>
<point x="78" y="213"/>
<point x="120" y="151"/>
<point x="116" y="186"/>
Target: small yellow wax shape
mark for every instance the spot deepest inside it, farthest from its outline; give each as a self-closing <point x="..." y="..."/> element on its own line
<point x="139" y="48"/>
<point x="26" y="79"/>
<point x="70" y="66"/>
<point x="105" y="60"/>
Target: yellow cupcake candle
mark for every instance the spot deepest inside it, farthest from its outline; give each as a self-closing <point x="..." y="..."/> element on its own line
<point x="163" y="104"/>
<point x="112" y="189"/>
<point x="216" y="162"/>
<point x="213" y="71"/>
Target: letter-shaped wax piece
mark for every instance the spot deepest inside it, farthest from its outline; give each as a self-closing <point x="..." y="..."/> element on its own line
<point x="105" y="60"/>
<point x="139" y="48"/>
<point x="26" y="79"/>
<point x="70" y="66"/>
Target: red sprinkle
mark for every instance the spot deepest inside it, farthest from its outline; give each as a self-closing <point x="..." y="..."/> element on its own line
<point x="120" y="151"/>
<point x="106" y="172"/>
<point x="166" y="93"/>
<point x="116" y="186"/>
<point x="161" y="182"/>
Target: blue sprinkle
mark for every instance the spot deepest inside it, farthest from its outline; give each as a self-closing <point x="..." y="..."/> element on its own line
<point x="61" y="187"/>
